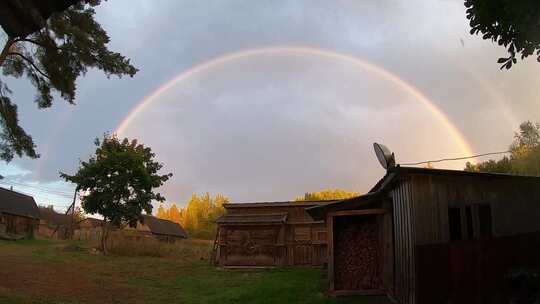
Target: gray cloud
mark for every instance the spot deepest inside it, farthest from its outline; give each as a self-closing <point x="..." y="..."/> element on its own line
<point x="274" y="127"/>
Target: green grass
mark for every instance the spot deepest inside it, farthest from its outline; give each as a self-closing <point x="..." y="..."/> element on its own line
<point x="119" y="279"/>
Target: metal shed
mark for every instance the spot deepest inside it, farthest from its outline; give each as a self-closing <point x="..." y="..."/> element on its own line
<point x="438" y="236"/>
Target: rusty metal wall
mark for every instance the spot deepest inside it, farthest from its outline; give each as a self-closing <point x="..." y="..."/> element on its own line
<point x="473" y="272"/>
<point x="404" y="249"/>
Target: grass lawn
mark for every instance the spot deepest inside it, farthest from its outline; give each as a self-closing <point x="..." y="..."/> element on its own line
<point x="43" y="271"/>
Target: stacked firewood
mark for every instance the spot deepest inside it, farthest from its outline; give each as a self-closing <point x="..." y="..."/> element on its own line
<point x="356" y="255"/>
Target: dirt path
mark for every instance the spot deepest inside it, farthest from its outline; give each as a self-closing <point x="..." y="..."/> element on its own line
<point x="20" y="275"/>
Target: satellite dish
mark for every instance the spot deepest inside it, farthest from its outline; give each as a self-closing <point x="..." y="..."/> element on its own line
<point x="385" y="157"/>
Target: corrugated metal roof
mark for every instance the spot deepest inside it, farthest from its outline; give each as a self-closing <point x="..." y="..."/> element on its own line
<point x="319" y="212"/>
<point x="52" y="217"/>
<point x="18" y="204"/>
<point x="243" y="219"/>
<point x="387" y="181"/>
<point x="163" y="227"/>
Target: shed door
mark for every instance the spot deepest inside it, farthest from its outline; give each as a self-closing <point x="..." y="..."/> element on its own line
<point x="251" y="246"/>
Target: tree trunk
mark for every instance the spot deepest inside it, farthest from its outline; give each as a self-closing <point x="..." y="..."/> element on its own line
<point x="5" y="50"/>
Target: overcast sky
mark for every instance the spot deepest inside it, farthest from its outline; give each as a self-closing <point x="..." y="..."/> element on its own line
<point x="274" y="125"/>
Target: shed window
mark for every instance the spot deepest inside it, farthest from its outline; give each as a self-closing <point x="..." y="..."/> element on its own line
<point x="454" y="222"/>
<point x="470" y="222"/>
<point x="485" y="221"/>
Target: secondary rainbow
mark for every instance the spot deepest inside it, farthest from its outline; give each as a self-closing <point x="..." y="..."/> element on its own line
<point x="309" y="51"/>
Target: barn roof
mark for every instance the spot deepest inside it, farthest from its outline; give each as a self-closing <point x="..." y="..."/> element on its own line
<point x="398" y="171"/>
<point x="247" y="219"/>
<point x="163" y="227"/>
<point x="94" y="222"/>
<point x="52" y="217"/>
<point x="318" y="213"/>
<point x="18" y="204"/>
<point x="277" y="204"/>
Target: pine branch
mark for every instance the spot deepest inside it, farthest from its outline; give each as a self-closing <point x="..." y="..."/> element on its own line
<point x="31" y="63"/>
<point x="37" y="43"/>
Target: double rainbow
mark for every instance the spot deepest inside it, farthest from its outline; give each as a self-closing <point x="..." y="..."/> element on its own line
<point x="458" y="137"/>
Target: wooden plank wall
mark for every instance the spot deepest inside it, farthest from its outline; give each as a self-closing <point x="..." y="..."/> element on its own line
<point x="302" y="242"/>
<point x="515" y="204"/>
<point x="19" y="225"/>
<point x="404" y="232"/>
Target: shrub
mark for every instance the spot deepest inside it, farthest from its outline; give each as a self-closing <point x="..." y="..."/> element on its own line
<point x="187" y="249"/>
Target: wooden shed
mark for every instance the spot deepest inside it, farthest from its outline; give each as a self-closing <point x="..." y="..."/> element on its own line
<point x="89" y="229"/>
<point x="434" y="236"/>
<point x="270" y="234"/>
<point x="19" y="215"/>
<point x="53" y="224"/>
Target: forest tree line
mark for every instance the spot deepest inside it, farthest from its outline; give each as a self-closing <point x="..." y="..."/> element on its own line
<point x="199" y="216"/>
<point x="523" y="156"/>
<point x="201" y="211"/>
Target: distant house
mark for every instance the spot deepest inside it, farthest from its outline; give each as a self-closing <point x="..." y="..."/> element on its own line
<point x="89" y="229"/>
<point x="434" y="236"/>
<point x="19" y="215"/>
<point x="270" y="234"/>
<point x="150" y="227"/>
<point x="156" y="228"/>
<point x="53" y="224"/>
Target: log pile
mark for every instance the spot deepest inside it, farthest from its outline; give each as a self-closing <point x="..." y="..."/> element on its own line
<point x="356" y="254"/>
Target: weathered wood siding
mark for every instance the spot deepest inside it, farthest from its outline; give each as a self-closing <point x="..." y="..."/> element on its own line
<point x="251" y="245"/>
<point x="18" y="225"/>
<point x="298" y="242"/>
<point x="404" y="242"/>
<point x="514" y="204"/>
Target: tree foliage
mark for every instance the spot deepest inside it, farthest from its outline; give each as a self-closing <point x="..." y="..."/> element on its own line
<point x="524" y="156"/>
<point x="199" y="215"/>
<point x="118" y="182"/>
<point x="327" y="194"/>
<point x="52" y="58"/>
<point x="512" y="24"/>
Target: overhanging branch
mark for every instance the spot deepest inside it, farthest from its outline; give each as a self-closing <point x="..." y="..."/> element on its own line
<point x="36" y="43"/>
<point x="31" y="63"/>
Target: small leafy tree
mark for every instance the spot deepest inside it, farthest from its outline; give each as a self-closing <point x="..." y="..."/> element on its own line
<point x="118" y="183"/>
<point x="60" y="47"/>
<point x="510" y="23"/>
